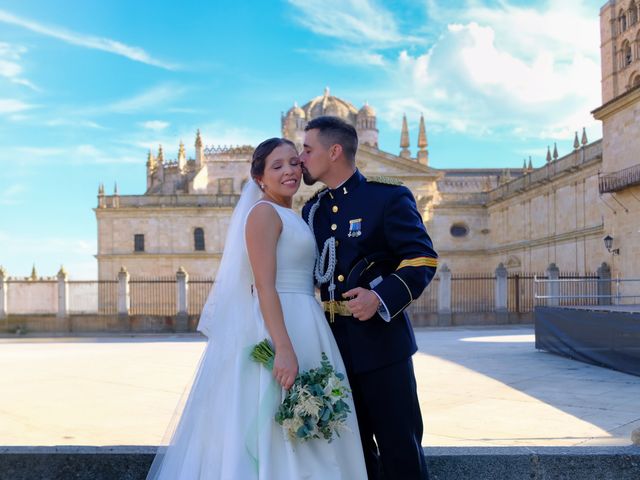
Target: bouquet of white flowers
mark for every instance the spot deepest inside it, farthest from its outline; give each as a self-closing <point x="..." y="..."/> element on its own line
<point x="314" y="406"/>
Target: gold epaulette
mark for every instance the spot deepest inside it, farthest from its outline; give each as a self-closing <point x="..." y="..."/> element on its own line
<point x="385" y="180"/>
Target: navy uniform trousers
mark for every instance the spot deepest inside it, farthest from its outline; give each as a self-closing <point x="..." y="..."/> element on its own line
<point x="378" y="223"/>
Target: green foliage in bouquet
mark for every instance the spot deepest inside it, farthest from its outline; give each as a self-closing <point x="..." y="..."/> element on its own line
<point x="314" y="406"/>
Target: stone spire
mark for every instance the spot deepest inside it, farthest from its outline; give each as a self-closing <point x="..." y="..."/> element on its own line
<point x="160" y="155"/>
<point x="34" y="273"/>
<point x="101" y="202"/>
<point x="199" y="151"/>
<point x="423" y="153"/>
<point x="182" y="157"/>
<point x="555" y="151"/>
<point x="548" y="155"/>
<point x="404" y="139"/>
<point x="151" y="162"/>
<point x="530" y="167"/>
<point x="584" y="136"/>
<point x="576" y="142"/>
<point x="524" y="165"/>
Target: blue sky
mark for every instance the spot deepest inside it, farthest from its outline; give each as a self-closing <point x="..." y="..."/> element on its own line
<point x="87" y="87"/>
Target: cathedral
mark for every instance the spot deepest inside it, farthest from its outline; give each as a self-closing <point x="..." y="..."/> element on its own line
<point x="478" y="218"/>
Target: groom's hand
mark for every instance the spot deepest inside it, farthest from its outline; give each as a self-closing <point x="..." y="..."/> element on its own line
<point x="363" y="303"/>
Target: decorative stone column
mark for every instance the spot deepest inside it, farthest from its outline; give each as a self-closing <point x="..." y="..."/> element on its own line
<point x="124" y="299"/>
<point x="604" y="284"/>
<point x="501" y="288"/>
<point x="501" y="294"/>
<point x="4" y="313"/>
<point x="63" y="294"/>
<point x="182" y="301"/>
<point x="444" y="296"/>
<point x="553" y="287"/>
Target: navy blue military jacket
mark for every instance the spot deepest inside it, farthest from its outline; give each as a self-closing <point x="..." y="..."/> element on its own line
<point x="373" y="219"/>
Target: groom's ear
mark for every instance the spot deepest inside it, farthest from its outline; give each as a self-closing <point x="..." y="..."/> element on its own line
<point x="335" y="151"/>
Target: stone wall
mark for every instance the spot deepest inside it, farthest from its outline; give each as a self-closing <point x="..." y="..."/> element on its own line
<point x="168" y="240"/>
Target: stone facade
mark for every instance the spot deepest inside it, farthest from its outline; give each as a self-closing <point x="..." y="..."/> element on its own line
<point x="619" y="182"/>
<point x="620" y="47"/>
<point x="523" y="218"/>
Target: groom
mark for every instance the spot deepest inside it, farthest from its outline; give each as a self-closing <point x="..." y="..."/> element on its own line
<point x="376" y="258"/>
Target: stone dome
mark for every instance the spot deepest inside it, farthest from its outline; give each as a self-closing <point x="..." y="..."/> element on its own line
<point x="296" y="111"/>
<point x="367" y="111"/>
<point x="329" y="105"/>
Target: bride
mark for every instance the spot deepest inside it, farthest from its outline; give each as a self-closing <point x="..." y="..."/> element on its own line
<point x="264" y="289"/>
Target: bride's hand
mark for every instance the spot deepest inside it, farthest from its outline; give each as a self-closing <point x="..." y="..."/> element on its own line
<point x="285" y="367"/>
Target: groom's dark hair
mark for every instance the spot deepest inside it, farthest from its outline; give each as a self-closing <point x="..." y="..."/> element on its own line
<point x="334" y="130"/>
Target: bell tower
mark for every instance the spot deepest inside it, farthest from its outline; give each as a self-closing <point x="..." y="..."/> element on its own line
<point x="620" y="47"/>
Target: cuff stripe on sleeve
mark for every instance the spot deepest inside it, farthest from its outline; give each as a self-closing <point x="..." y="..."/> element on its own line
<point x="419" y="262"/>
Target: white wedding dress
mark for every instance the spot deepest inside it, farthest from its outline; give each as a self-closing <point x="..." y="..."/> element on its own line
<point x="227" y="428"/>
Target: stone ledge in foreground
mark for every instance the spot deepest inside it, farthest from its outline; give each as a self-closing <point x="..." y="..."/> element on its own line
<point x="445" y="463"/>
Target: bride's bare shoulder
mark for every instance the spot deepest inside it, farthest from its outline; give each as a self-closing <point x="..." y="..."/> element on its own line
<point x="263" y="215"/>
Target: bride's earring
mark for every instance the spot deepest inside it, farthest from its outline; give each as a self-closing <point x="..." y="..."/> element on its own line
<point x="262" y="186"/>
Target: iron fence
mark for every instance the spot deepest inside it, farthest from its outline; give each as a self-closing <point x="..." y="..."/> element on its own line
<point x="153" y="296"/>
<point x="521" y="291"/>
<point x="473" y="292"/>
<point x="428" y="301"/>
<point x="107" y="297"/>
<point x="199" y="289"/>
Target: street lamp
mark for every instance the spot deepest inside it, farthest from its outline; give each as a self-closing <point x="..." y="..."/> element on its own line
<point x="608" y="243"/>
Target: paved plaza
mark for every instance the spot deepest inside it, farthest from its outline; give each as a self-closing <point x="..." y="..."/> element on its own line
<point x="477" y="386"/>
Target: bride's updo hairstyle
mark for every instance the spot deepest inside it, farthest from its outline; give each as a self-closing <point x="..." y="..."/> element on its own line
<point x="262" y="151"/>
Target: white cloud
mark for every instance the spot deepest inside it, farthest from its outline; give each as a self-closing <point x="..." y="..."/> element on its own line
<point x="506" y="68"/>
<point x="10" y="67"/>
<point x="67" y="122"/>
<point x="11" y="105"/>
<point x="87" y="41"/>
<point x="10" y="195"/>
<point x="349" y="56"/>
<point x="360" y="22"/>
<point x="152" y="98"/>
<point x="155" y="125"/>
<point x="81" y="154"/>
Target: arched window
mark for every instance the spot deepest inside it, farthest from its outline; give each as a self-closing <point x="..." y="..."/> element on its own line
<point x="622" y="18"/>
<point x="627" y="56"/>
<point x="633" y="13"/>
<point x="198" y="239"/>
<point x="635" y="81"/>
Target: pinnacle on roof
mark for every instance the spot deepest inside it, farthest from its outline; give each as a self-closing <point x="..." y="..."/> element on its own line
<point x="422" y="134"/>
<point x="404" y="136"/>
